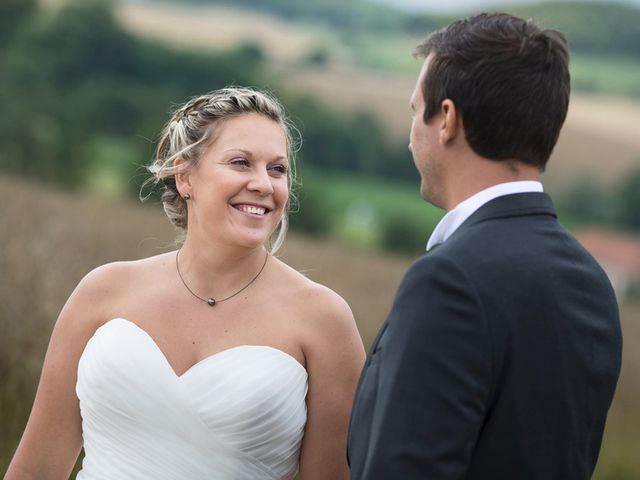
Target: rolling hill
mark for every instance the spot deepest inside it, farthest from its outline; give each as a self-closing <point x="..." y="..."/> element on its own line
<point x="599" y="138"/>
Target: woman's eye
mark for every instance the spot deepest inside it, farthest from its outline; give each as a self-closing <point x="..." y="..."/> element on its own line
<point x="279" y="168"/>
<point x="242" y="162"/>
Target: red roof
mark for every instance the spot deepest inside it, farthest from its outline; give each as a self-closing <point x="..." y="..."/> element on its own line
<point x="613" y="248"/>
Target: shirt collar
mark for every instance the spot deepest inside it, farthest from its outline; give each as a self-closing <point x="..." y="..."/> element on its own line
<point x="454" y="218"/>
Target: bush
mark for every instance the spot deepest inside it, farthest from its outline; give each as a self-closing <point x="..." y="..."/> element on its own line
<point x="404" y="234"/>
<point x="318" y="57"/>
<point x="311" y="215"/>
<point x="588" y="202"/>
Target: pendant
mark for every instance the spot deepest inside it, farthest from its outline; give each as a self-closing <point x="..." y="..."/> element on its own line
<point x="211" y="302"/>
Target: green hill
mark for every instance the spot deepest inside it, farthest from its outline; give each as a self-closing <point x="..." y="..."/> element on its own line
<point x="592" y="28"/>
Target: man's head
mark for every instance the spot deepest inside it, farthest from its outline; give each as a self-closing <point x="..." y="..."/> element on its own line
<point x="507" y="81"/>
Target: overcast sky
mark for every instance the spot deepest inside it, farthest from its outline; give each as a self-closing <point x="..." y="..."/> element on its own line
<point x="435" y="6"/>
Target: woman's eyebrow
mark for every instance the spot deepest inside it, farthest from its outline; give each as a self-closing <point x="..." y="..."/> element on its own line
<point x="250" y="154"/>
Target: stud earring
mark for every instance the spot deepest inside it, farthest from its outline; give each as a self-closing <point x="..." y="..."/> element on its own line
<point x="186" y="196"/>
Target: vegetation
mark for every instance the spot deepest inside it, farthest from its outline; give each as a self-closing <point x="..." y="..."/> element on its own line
<point x="617" y="74"/>
<point x="604" y="28"/>
<point x="588" y="202"/>
<point x="13" y="14"/>
<point x="82" y="97"/>
<point x="366" y="212"/>
<point x="66" y="79"/>
<point x="611" y="74"/>
<point x="629" y="195"/>
<point x="372" y="213"/>
<point x="86" y="120"/>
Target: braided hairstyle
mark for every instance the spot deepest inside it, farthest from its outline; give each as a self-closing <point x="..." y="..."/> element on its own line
<point x="190" y="131"/>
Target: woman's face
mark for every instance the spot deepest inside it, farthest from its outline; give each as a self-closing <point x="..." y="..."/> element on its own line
<point x="240" y="186"/>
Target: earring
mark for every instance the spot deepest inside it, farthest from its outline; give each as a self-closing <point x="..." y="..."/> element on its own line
<point x="186" y="196"/>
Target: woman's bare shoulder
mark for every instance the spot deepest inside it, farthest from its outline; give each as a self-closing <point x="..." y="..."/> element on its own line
<point x="322" y="308"/>
<point x="105" y="287"/>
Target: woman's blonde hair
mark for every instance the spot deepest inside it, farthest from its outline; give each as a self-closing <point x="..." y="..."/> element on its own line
<point x="191" y="130"/>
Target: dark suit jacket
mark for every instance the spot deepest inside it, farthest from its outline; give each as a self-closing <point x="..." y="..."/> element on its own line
<point x="499" y="359"/>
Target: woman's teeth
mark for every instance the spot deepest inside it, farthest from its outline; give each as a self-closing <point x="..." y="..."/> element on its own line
<point x="252" y="209"/>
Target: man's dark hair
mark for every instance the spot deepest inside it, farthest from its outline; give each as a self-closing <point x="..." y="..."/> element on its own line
<point x="509" y="79"/>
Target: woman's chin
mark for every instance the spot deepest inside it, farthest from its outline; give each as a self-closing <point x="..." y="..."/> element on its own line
<point x="252" y="240"/>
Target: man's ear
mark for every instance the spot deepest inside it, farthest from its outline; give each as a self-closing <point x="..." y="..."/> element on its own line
<point x="183" y="175"/>
<point x="450" y="126"/>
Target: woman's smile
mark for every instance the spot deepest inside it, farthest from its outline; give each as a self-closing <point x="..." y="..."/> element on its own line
<point x="252" y="210"/>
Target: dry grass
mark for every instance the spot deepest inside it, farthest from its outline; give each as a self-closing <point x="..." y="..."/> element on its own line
<point x="619" y="458"/>
<point x="49" y="240"/>
<point x="367" y="281"/>
<point x="219" y="27"/>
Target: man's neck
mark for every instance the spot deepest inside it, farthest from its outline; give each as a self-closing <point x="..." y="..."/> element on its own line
<point x="485" y="173"/>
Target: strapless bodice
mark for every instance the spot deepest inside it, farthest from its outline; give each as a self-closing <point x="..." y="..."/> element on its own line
<point x="238" y="414"/>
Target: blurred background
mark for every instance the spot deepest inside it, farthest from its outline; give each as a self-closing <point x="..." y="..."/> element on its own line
<point x="86" y="85"/>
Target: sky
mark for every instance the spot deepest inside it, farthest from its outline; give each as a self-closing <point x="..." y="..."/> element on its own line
<point x="446" y="6"/>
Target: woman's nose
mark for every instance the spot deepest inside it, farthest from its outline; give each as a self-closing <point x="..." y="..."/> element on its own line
<point x="260" y="182"/>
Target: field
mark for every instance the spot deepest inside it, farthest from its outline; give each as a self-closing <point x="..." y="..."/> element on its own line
<point x="51" y="239"/>
<point x="359" y="208"/>
<point x="595" y="73"/>
<point x="378" y="75"/>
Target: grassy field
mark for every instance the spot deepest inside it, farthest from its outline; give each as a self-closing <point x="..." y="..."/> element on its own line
<point x="617" y="75"/>
<point x="220" y="27"/>
<point x="51" y="239"/>
<point x="360" y="207"/>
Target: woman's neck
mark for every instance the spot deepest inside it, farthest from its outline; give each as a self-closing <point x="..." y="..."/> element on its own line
<point x="218" y="271"/>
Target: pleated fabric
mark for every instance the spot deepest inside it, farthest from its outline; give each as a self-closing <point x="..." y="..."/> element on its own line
<point x="238" y="414"/>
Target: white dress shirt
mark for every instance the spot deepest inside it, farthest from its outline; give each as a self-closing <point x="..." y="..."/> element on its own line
<point x="454" y="218"/>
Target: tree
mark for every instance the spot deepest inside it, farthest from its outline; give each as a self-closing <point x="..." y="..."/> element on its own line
<point x="13" y="14"/>
<point x="587" y="202"/>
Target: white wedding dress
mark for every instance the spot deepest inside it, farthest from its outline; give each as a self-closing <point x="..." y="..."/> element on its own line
<point x="238" y="414"/>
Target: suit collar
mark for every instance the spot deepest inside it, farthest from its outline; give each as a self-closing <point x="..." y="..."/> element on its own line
<point x="515" y="205"/>
<point x="457" y="216"/>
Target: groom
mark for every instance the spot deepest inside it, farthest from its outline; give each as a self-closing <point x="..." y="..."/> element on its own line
<point x="502" y="351"/>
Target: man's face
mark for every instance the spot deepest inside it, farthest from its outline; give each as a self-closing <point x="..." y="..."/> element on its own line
<point x="424" y="145"/>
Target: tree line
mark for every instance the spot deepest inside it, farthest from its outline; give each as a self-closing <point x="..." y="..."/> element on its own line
<point x="80" y="95"/>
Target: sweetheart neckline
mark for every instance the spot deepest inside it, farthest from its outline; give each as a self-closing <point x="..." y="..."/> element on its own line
<point x="201" y="361"/>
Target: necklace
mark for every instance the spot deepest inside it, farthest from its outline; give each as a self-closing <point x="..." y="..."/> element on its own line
<point x="212" y="301"/>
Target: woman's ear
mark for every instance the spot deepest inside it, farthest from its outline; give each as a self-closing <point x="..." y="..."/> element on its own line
<point x="450" y="126"/>
<point x="183" y="176"/>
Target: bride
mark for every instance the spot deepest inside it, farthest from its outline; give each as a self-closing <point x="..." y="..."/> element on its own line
<point x="215" y="361"/>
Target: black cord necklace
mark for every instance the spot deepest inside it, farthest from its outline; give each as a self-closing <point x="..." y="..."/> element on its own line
<point x="212" y="301"/>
